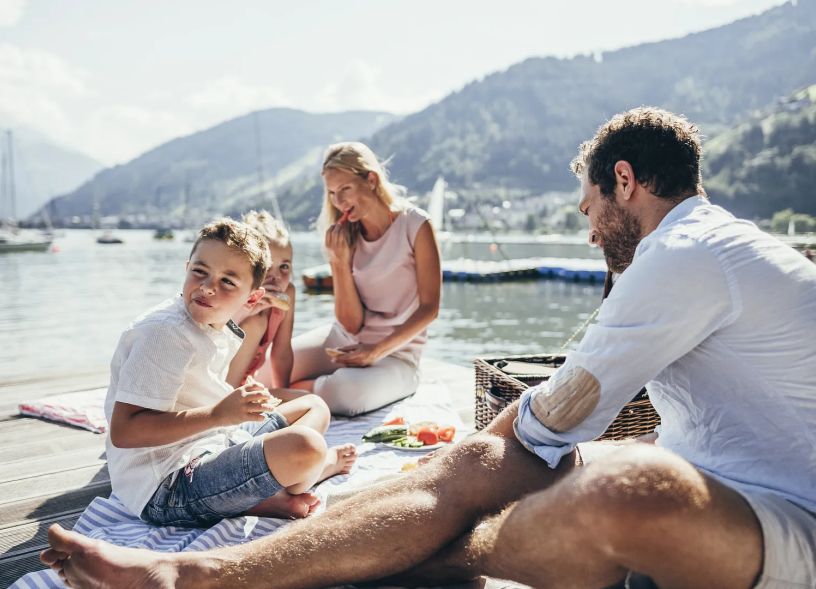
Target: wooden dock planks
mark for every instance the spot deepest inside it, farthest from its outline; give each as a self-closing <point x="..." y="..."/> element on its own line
<point x="49" y="473"/>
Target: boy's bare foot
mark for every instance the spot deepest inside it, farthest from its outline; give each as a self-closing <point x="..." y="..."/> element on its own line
<point x="284" y="504"/>
<point x="82" y="562"/>
<point x="339" y="460"/>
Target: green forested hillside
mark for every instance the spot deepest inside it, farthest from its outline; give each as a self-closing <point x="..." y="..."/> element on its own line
<point x="513" y="131"/>
<point x="518" y="129"/>
<point x="767" y="163"/>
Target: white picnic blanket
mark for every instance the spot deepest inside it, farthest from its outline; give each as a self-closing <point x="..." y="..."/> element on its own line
<point x="107" y="519"/>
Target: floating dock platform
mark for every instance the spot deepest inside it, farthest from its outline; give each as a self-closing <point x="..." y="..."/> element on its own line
<point x="319" y="279"/>
<point x="570" y="269"/>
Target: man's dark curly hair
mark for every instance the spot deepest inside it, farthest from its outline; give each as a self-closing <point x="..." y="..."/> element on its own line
<point x="663" y="149"/>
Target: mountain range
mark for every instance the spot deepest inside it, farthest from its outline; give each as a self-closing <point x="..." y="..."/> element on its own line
<point x="512" y="133"/>
<point x="42" y="169"/>
<point x="212" y="170"/>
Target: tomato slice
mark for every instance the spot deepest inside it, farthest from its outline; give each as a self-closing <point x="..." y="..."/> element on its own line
<point x="445" y="433"/>
<point x="399" y="420"/>
<point x="427" y="437"/>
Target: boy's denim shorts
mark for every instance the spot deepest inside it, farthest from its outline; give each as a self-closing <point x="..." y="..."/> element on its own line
<point x="214" y="486"/>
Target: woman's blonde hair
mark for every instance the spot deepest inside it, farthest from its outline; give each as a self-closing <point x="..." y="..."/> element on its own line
<point x="357" y="158"/>
<point x="268" y="226"/>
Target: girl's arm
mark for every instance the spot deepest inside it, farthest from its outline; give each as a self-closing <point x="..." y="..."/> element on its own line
<point x="429" y="287"/>
<point x="348" y="309"/>
<point x="136" y="427"/>
<point x="254" y="328"/>
<point x="281" y="357"/>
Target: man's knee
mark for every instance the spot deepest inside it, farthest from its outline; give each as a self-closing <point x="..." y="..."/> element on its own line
<point x="473" y="463"/>
<point x="639" y="486"/>
<point x="484" y="451"/>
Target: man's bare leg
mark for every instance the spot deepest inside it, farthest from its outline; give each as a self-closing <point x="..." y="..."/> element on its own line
<point x="642" y="508"/>
<point x="379" y="532"/>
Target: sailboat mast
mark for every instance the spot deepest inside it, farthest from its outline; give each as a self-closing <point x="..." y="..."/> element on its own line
<point x="259" y="158"/>
<point x="12" y="196"/>
<point x="3" y="181"/>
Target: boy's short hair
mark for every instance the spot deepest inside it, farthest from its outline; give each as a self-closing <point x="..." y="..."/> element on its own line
<point x="663" y="148"/>
<point x="242" y="237"/>
<point x="268" y="226"/>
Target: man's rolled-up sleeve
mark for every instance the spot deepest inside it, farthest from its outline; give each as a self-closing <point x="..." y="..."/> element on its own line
<point x="668" y="301"/>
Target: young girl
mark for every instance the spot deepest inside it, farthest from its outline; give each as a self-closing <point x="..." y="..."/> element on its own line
<point x="268" y="325"/>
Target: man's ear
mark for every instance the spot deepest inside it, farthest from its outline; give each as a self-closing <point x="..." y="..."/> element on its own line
<point x="625" y="178"/>
<point x="255" y="296"/>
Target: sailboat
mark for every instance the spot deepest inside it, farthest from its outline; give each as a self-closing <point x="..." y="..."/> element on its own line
<point x="12" y="238"/>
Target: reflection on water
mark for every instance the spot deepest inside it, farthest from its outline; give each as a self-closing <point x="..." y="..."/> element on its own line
<point x="63" y="312"/>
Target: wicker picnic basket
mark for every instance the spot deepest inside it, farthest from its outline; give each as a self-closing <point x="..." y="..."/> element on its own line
<point x="495" y="389"/>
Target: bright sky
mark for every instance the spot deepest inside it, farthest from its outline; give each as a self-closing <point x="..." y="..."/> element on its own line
<point x="114" y="78"/>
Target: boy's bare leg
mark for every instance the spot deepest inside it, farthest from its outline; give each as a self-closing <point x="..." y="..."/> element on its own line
<point x="311" y="411"/>
<point x="286" y="505"/>
<point x="306" y="410"/>
<point x="641" y="509"/>
<point x="376" y="533"/>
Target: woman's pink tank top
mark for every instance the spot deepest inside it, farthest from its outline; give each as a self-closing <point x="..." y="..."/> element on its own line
<point x="384" y="273"/>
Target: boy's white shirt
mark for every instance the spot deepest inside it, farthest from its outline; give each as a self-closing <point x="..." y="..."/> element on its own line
<point x="167" y="362"/>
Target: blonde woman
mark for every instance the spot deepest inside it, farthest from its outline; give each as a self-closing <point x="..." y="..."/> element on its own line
<point x="387" y="286"/>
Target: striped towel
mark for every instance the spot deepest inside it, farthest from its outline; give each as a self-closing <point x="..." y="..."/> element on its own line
<point x="85" y="409"/>
<point x="107" y="519"/>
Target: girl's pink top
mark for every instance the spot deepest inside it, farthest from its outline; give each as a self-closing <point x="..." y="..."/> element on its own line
<point x="384" y="273"/>
<point x="275" y="318"/>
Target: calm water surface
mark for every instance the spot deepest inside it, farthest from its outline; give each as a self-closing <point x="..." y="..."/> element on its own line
<point x="63" y="311"/>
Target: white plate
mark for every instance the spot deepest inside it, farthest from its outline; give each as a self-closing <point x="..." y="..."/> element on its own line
<point x="420" y="449"/>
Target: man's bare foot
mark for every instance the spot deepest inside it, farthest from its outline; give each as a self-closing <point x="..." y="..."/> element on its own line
<point x="82" y="562"/>
<point x="339" y="460"/>
<point x="284" y="504"/>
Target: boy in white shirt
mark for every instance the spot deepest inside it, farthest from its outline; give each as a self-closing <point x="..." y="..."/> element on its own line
<point x="176" y="452"/>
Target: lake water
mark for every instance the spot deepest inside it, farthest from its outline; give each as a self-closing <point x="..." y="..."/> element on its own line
<point x="63" y="311"/>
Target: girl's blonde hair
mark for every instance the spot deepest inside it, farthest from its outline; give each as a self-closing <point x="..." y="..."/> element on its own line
<point x="357" y="158"/>
<point x="268" y="226"/>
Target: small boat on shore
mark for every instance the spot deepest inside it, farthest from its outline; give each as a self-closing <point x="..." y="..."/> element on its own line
<point x="108" y="238"/>
<point x="14" y="240"/>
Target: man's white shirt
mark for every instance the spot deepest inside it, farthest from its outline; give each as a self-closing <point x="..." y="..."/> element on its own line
<point x="719" y="318"/>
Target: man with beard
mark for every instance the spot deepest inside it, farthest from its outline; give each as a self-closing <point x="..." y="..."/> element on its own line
<point x="716" y="316"/>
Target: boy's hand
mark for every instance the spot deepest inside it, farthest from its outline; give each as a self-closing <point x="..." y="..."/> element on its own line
<point x="246" y="403"/>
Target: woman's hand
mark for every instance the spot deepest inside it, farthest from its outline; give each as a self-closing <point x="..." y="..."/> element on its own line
<point x="337" y="244"/>
<point x="358" y="355"/>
